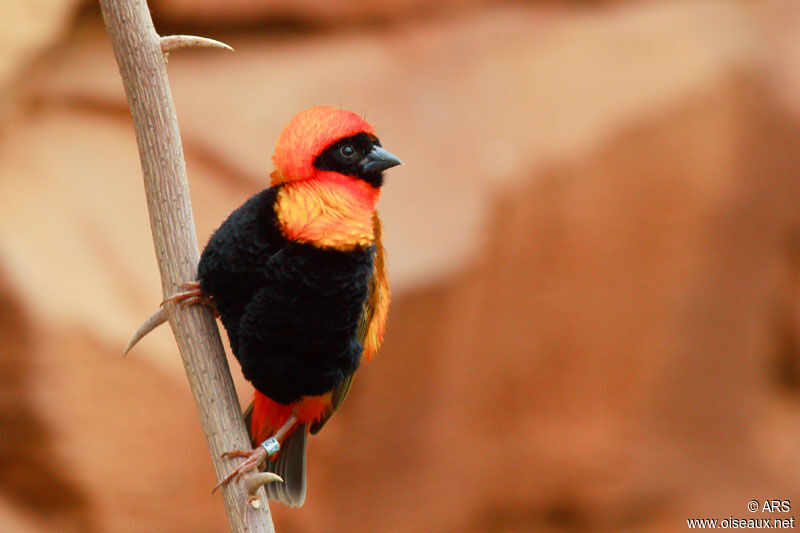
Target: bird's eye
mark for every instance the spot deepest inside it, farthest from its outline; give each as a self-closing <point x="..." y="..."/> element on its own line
<point x="347" y="151"/>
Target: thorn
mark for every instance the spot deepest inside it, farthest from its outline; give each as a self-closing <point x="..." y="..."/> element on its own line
<point x="173" y="42"/>
<point x="255" y="481"/>
<point x="155" y="320"/>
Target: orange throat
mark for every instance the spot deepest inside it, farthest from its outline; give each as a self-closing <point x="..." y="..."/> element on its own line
<point x="329" y="210"/>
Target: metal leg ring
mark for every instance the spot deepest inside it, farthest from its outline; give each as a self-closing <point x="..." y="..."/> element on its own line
<point x="271" y="446"/>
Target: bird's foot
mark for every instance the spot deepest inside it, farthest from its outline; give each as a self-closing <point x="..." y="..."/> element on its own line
<point x="192" y="295"/>
<point x="253" y="458"/>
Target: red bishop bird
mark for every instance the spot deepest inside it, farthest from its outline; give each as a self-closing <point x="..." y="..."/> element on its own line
<point x="297" y="275"/>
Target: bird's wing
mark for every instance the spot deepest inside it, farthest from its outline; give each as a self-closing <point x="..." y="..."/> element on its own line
<point x="372" y="323"/>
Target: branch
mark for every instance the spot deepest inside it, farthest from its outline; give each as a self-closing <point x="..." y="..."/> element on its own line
<point x="142" y="66"/>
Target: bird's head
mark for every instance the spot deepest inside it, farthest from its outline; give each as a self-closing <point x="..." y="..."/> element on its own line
<point x="325" y="139"/>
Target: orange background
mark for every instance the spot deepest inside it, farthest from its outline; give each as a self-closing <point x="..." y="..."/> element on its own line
<point x="594" y="245"/>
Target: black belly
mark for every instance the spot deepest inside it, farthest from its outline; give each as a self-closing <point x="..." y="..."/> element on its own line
<point x="292" y="311"/>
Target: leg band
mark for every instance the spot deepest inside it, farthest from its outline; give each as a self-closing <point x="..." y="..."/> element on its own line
<point x="271" y="446"/>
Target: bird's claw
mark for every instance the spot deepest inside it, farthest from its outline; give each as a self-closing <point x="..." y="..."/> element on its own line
<point x="191" y="290"/>
<point x="253" y="481"/>
<point x="192" y="295"/>
<point x="253" y="458"/>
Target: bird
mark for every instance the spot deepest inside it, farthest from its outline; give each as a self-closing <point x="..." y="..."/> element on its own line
<point x="297" y="275"/>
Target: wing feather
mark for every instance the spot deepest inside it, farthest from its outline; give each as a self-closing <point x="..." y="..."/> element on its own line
<point x="372" y="323"/>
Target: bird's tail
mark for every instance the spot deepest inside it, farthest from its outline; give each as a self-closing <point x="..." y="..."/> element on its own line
<point x="290" y="464"/>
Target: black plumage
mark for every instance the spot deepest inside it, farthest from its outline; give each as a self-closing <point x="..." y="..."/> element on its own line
<point x="291" y="310"/>
<point x="346" y="156"/>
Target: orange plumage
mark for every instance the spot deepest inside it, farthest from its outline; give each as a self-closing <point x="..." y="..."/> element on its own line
<point x="269" y="415"/>
<point x="307" y="135"/>
<point x="328" y="210"/>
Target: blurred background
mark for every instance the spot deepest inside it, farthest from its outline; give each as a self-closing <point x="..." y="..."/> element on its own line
<point x="594" y="245"/>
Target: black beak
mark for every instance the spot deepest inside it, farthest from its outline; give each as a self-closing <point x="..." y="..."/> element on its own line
<point x="377" y="160"/>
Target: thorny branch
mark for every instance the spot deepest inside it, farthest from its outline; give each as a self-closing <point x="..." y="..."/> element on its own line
<point x="140" y="54"/>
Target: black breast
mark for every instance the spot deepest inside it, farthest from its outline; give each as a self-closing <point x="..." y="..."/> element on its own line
<point x="232" y="263"/>
<point x="291" y="310"/>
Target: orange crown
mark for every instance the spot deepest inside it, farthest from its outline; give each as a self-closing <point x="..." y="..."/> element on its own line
<point x="307" y="135"/>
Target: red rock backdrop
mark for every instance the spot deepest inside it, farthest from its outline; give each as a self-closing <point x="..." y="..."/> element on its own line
<point x="595" y="245"/>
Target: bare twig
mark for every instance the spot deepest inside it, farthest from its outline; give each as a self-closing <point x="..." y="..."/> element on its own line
<point x="142" y="66"/>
